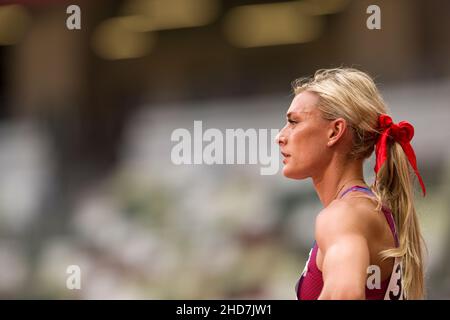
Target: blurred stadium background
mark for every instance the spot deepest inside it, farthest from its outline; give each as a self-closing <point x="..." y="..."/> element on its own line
<point x="85" y="123"/>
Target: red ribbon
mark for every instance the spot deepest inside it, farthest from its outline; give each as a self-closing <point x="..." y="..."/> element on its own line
<point x="402" y="133"/>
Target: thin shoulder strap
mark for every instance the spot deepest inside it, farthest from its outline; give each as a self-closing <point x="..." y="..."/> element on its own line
<point x="357" y="188"/>
<point x="390" y="219"/>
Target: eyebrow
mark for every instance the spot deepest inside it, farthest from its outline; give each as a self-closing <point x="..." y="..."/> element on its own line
<point x="289" y="114"/>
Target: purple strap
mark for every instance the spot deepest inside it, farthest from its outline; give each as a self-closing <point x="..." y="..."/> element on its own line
<point x="357" y="188"/>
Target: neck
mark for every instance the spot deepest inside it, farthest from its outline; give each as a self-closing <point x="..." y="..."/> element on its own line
<point x="336" y="178"/>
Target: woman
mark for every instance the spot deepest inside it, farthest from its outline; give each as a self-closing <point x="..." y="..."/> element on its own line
<point x="368" y="241"/>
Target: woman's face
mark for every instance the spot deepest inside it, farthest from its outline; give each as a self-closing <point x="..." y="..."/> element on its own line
<point x="303" y="140"/>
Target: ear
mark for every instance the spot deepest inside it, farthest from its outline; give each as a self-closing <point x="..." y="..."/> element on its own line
<point x="336" y="129"/>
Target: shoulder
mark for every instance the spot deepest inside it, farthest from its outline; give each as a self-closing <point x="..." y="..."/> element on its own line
<point x="348" y="217"/>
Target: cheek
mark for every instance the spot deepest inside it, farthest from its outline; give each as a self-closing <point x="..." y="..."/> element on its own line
<point x="308" y="144"/>
<point x="308" y="152"/>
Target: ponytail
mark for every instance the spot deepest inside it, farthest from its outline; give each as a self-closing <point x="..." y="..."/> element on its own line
<point x="393" y="187"/>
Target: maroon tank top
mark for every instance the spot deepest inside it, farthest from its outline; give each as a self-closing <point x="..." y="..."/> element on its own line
<point x="310" y="284"/>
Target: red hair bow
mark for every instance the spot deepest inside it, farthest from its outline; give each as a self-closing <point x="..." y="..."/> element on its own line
<point x="402" y="133"/>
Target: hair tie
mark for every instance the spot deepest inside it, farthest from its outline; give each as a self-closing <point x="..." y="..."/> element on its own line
<point x="402" y="133"/>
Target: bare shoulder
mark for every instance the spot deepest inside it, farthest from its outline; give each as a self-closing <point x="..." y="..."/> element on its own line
<point x="347" y="216"/>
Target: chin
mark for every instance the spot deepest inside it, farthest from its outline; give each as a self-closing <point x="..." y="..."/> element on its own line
<point x="293" y="174"/>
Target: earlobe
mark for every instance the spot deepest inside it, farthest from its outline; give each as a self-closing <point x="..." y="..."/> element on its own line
<point x="331" y="136"/>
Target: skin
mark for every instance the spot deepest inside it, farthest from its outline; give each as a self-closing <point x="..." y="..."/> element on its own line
<point x="348" y="231"/>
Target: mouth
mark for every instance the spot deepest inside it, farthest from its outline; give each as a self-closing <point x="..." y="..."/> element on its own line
<point x="285" y="154"/>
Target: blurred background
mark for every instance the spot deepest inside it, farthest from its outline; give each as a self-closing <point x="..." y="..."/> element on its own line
<point x="86" y="118"/>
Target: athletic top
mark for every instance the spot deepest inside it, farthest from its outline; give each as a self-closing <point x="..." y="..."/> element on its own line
<point x="310" y="284"/>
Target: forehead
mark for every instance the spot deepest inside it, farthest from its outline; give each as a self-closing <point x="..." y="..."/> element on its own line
<point x="304" y="102"/>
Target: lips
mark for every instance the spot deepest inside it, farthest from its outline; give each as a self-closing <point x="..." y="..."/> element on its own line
<point x="286" y="157"/>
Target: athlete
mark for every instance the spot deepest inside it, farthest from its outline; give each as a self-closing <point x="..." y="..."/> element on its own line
<point x="368" y="243"/>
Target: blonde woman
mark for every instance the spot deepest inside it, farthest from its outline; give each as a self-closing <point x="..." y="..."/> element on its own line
<point x="368" y="240"/>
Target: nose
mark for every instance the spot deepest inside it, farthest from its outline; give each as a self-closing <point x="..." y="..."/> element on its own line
<point x="280" y="138"/>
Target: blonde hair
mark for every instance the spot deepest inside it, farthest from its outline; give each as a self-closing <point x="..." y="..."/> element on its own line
<point x="352" y="95"/>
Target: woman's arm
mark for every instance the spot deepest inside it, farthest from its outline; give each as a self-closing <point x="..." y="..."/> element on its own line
<point x="340" y="235"/>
